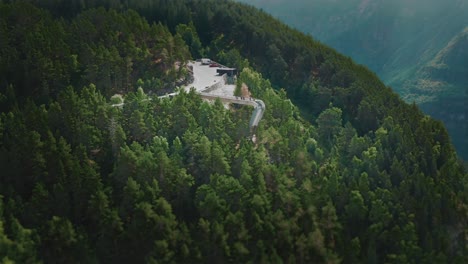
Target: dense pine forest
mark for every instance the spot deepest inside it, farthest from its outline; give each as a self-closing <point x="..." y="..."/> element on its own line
<point x="342" y="169"/>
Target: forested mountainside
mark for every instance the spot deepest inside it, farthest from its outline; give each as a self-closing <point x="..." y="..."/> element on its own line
<point x="342" y="169"/>
<point x="392" y="38"/>
<point x="441" y="87"/>
<point x="399" y="40"/>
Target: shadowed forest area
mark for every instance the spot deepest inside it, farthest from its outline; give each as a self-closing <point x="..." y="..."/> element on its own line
<point x="342" y="170"/>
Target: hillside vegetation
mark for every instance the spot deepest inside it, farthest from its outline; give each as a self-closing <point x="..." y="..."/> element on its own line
<point x="441" y="88"/>
<point x="401" y="41"/>
<point x="342" y="169"/>
<point x="392" y="38"/>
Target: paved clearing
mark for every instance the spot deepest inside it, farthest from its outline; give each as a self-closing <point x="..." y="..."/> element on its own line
<point x="205" y="76"/>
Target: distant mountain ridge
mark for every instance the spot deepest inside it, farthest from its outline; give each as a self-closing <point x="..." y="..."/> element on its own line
<point x="383" y="35"/>
<point x="446" y="73"/>
<point x="408" y="43"/>
<point x="441" y="87"/>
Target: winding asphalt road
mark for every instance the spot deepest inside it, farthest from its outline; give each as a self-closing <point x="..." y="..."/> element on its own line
<point x="205" y="77"/>
<point x="259" y="106"/>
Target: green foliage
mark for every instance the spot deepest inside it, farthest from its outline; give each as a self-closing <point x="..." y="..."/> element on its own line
<point x="180" y="180"/>
<point x="18" y="246"/>
<point x="233" y="58"/>
<point x="329" y="124"/>
<point x="190" y="36"/>
<point x="423" y="69"/>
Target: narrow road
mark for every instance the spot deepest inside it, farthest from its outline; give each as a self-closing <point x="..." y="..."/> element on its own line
<point x="206" y="77"/>
<point x="259" y="106"/>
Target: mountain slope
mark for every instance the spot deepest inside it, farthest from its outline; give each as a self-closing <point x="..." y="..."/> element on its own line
<point x="342" y="170"/>
<point x="399" y="40"/>
<point x="441" y="87"/>
<point x="445" y="74"/>
<point x="386" y="36"/>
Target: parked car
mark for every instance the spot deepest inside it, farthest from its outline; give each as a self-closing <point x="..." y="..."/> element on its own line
<point x="214" y="64"/>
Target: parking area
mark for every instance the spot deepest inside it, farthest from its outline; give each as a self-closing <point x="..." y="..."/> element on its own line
<point x="204" y="76"/>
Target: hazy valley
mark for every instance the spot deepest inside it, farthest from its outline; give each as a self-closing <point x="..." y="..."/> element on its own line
<point x="417" y="47"/>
